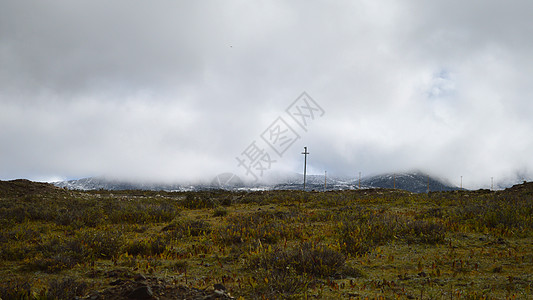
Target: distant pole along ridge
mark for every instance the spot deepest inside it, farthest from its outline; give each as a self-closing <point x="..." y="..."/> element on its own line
<point x="305" y="163"/>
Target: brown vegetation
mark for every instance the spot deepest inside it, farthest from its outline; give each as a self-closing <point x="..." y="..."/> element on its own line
<point x="60" y="244"/>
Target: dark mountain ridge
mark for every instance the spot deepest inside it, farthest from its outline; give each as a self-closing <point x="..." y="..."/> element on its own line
<point x="406" y="181"/>
<point x="21" y="187"/>
<point x="416" y="182"/>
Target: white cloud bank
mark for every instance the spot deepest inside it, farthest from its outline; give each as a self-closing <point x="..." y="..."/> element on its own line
<point x="176" y="90"/>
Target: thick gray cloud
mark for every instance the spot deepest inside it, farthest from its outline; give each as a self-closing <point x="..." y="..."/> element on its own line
<point x="175" y="90"/>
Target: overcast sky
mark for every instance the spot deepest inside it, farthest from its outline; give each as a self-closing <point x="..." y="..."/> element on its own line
<point x="177" y="90"/>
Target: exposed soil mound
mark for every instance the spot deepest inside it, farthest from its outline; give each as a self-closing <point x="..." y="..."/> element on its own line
<point x="21" y="187"/>
<point x="140" y="287"/>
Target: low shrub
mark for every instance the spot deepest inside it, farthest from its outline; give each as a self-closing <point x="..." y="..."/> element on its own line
<point x="104" y="244"/>
<point x="15" y="289"/>
<point x="509" y="213"/>
<point x="267" y="226"/>
<point x="275" y="284"/>
<point x="58" y="254"/>
<point x="14" y="251"/>
<point x="78" y="218"/>
<point x="66" y="288"/>
<point x="187" y="228"/>
<point x="423" y="232"/>
<point x="199" y="201"/>
<point x="359" y="234"/>
<point x="147" y="247"/>
<point x="141" y="212"/>
<point x="53" y="264"/>
<point x="285" y="273"/>
<point x="310" y="259"/>
<point x="220" y="212"/>
<point x="180" y="266"/>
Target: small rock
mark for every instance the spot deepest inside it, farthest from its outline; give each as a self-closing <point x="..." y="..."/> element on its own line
<point x="143" y="292"/>
<point x="112" y="274"/>
<point x="403" y="277"/>
<point x="116" y="282"/>
<point x="95" y="296"/>
<point x="139" y="277"/>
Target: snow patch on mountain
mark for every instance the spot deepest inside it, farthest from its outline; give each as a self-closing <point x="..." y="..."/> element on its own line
<point x="416" y="182"/>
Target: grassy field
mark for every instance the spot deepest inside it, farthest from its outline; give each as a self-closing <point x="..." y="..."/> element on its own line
<point x="367" y="244"/>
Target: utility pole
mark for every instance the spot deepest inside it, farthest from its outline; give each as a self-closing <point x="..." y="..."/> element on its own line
<point x="305" y="163"/>
<point x="394" y="179"/>
<point x="492" y="183"/>
<point x="359" y="180"/>
<point x="325" y="182"/>
<point x="461" y="182"/>
<point x="428" y="184"/>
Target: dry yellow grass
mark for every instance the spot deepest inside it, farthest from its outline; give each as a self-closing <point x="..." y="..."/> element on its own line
<point x="371" y="244"/>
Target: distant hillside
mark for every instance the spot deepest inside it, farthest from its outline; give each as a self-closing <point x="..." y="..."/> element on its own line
<point x="415" y="182"/>
<point x="97" y="183"/>
<point x="314" y="182"/>
<point x="21" y="187"/>
<point x="522" y="188"/>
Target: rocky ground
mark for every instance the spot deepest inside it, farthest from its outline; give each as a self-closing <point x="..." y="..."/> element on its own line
<point x="138" y="286"/>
